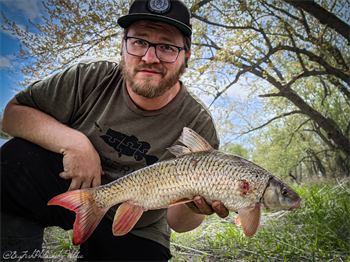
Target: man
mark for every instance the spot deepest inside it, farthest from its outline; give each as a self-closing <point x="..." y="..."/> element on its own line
<point x="98" y="121"/>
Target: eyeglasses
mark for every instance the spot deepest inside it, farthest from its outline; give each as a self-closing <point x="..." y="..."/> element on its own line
<point x="164" y="52"/>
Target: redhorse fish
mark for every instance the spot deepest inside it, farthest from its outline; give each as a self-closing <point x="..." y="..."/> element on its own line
<point x="197" y="170"/>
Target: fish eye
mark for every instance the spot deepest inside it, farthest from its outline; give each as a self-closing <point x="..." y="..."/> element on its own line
<point x="284" y="191"/>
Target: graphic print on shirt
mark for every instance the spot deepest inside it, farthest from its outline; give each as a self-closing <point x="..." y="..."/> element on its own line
<point x="129" y="146"/>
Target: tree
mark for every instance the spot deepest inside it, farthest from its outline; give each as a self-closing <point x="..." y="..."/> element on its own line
<point x="73" y="30"/>
<point x="297" y="62"/>
<point x="291" y="57"/>
<point x="323" y="16"/>
<point x="236" y="149"/>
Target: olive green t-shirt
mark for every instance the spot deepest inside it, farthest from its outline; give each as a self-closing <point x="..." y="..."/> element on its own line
<point x="91" y="97"/>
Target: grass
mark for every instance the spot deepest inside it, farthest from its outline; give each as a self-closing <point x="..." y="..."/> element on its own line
<point x="319" y="230"/>
<point x="58" y="245"/>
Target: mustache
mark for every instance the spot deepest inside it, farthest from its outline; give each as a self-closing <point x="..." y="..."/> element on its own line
<point x="150" y="67"/>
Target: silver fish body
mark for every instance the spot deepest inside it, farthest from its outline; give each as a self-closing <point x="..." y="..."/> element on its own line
<point x="214" y="175"/>
<point x="197" y="170"/>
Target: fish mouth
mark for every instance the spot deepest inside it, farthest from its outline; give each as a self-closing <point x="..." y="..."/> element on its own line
<point x="295" y="205"/>
<point x="273" y="198"/>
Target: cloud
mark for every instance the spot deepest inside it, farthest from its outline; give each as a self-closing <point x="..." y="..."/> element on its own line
<point x="239" y="90"/>
<point x="5" y="61"/>
<point x="9" y="33"/>
<point x="12" y="80"/>
<point x="28" y="9"/>
<point x="19" y="11"/>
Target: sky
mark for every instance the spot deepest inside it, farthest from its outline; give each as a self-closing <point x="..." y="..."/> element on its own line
<point x="18" y="11"/>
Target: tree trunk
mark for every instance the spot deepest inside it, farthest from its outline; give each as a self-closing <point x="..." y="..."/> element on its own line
<point x="327" y="124"/>
<point x="323" y="16"/>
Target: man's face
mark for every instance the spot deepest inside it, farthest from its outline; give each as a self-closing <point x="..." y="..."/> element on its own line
<point x="148" y="76"/>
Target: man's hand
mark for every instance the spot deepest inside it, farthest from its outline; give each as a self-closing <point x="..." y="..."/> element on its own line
<point x="82" y="164"/>
<point x="186" y="217"/>
<point x="199" y="206"/>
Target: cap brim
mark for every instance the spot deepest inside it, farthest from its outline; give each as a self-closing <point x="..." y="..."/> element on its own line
<point x="127" y="20"/>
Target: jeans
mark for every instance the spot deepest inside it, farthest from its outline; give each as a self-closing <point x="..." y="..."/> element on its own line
<point x="29" y="179"/>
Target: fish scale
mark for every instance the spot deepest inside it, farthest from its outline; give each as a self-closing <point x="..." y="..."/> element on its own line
<point x="198" y="170"/>
<point x="186" y="182"/>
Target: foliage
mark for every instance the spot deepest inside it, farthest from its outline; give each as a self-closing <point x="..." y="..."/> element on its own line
<point x="298" y="66"/>
<point x="235" y="149"/>
<point x="58" y="245"/>
<point x="295" y="62"/>
<point x="317" y="231"/>
<point x="4" y="135"/>
<point x="72" y="30"/>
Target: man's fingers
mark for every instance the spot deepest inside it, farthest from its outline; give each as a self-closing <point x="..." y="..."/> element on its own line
<point x="203" y="207"/>
<point x="81" y="182"/>
<point x="75" y="184"/>
<point x="65" y="175"/>
<point x="96" y="181"/>
<point x="85" y="184"/>
<point x="219" y="209"/>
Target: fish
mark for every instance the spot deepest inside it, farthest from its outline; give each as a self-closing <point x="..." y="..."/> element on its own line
<point x="197" y="170"/>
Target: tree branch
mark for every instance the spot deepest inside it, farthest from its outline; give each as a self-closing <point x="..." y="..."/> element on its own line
<point x="273" y="119"/>
<point x="319" y="60"/>
<point x="201" y="3"/>
<point x="221" y="25"/>
<point x="291" y="137"/>
<point x="323" y="16"/>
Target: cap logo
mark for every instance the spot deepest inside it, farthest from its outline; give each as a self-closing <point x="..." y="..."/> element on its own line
<point x="159" y="6"/>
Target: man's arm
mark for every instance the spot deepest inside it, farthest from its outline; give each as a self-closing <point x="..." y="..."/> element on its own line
<point x="186" y="217"/>
<point x="81" y="162"/>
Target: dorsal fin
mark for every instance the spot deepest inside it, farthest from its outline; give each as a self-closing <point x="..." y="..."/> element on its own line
<point x="193" y="143"/>
<point x="178" y="150"/>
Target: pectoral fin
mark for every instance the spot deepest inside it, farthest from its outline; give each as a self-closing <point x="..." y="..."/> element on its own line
<point x="180" y="201"/>
<point x="126" y="217"/>
<point x="250" y="219"/>
<point x="237" y="221"/>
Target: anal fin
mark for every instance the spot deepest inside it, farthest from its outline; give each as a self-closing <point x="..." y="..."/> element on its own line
<point x="249" y="217"/>
<point x="126" y="217"/>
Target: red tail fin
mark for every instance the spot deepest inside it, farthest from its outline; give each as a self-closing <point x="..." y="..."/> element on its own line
<point x="88" y="213"/>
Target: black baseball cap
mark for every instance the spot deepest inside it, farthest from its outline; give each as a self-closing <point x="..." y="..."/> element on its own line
<point x="173" y="12"/>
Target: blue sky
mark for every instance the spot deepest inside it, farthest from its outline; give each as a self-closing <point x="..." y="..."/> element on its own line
<point x="18" y="11"/>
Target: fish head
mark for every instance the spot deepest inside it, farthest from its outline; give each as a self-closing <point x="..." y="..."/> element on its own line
<point x="280" y="196"/>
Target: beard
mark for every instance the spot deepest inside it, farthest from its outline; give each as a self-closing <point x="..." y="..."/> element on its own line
<point x="146" y="89"/>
